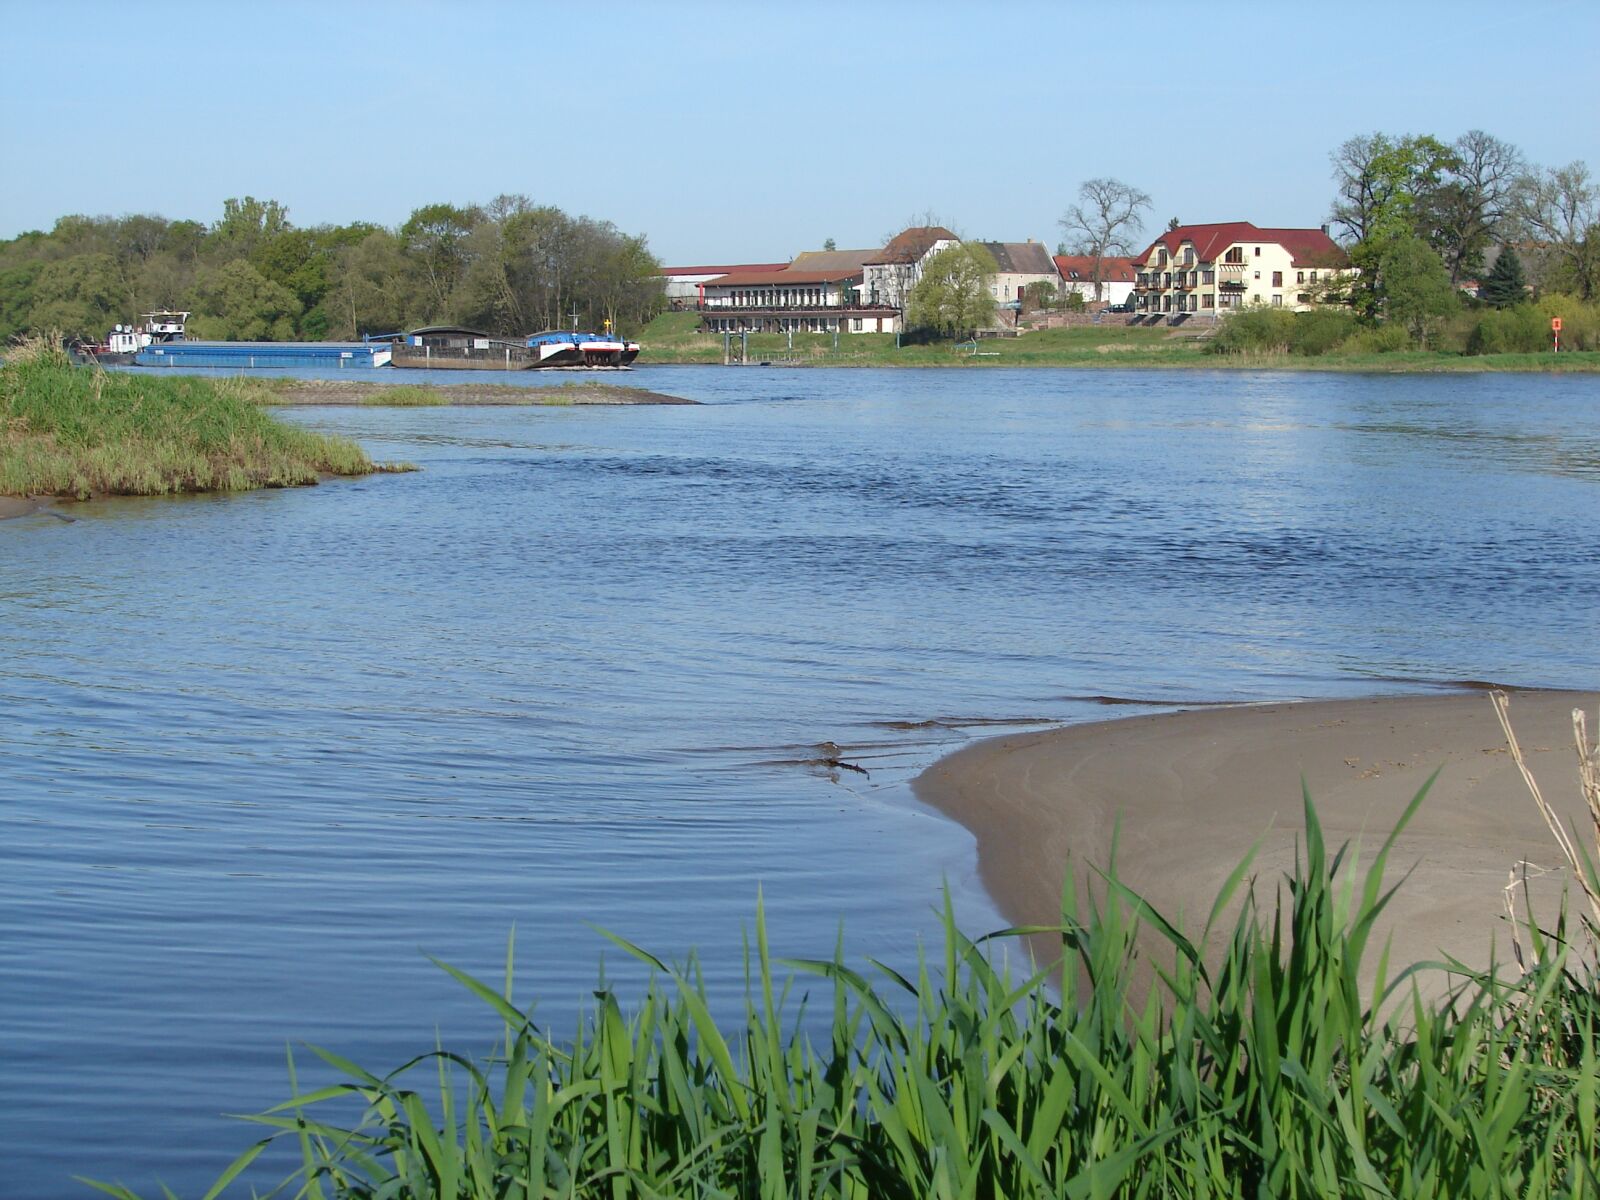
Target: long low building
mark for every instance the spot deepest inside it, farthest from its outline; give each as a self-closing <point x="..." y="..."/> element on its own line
<point x="819" y="292"/>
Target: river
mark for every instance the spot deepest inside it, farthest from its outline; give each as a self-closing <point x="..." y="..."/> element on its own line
<point x="264" y="754"/>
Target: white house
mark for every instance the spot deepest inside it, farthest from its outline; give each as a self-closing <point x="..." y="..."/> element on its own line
<point x="1077" y="271"/>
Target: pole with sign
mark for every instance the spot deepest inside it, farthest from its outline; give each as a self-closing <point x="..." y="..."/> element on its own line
<point x="1555" y="329"/>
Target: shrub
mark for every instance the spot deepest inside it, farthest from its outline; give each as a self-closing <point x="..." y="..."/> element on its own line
<point x="1322" y="329"/>
<point x="1385" y="339"/>
<point x="1254" y="330"/>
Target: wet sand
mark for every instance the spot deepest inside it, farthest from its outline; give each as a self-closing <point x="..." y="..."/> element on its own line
<point x="1194" y="790"/>
<point x="19" y="506"/>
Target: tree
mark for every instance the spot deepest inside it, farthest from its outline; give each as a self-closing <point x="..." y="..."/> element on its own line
<point x="1560" y="207"/>
<point x="1108" y="216"/>
<point x="953" y="295"/>
<point x="1471" y="208"/>
<point x="235" y="302"/>
<point x="1384" y="185"/>
<point x="435" y="234"/>
<point x="1505" y="285"/>
<point x="1416" y="289"/>
<point x="829" y="245"/>
<point x="81" y="296"/>
<point x="247" y="223"/>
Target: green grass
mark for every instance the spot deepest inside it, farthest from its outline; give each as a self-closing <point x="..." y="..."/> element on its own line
<point x="72" y="431"/>
<point x="1249" y="1064"/>
<point x="672" y="338"/>
<point x="406" y="395"/>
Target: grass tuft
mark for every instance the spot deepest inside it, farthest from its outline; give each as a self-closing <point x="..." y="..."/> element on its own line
<point x="1254" y="1069"/>
<point x="73" y="431"/>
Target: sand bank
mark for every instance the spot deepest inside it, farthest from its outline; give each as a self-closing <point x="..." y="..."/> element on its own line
<point x="1194" y="790"/>
<point x="366" y="391"/>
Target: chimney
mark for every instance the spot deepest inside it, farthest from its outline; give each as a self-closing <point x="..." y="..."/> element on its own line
<point x="1324" y="231"/>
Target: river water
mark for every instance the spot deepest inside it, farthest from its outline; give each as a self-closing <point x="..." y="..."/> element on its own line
<point x="264" y="754"/>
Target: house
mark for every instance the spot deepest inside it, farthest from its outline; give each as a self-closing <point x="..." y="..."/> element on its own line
<point x="1077" y="273"/>
<point x="1210" y="268"/>
<point x="819" y="292"/>
<point x="1017" y="264"/>
<point x="681" y="285"/>
<point x="889" y="277"/>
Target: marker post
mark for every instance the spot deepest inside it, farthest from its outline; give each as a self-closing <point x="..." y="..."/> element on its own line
<point x="1555" y="330"/>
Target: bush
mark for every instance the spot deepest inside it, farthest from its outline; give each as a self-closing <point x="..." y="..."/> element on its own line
<point x="1385" y="339"/>
<point x="1322" y="329"/>
<point x="1254" y="330"/>
<point x="1520" y="330"/>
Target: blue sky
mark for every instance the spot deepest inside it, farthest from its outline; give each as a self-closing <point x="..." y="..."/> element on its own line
<point x="737" y="131"/>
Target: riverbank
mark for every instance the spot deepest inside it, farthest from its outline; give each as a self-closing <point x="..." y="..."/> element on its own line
<point x="672" y="339"/>
<point x="65" y="431"/>
<point x="1194" y="790"/>
<point x="460" y="395"/>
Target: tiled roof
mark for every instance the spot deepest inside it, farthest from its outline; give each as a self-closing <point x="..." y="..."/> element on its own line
<point x="832" y="260"/>
<point x="909" y="245"/>
<point x="1021" y="258"/>
<point x="723" y="269"/>
<point x="1307" y="247"/>
<point x="1079" y="268"/>
<point x="782" y="278"/>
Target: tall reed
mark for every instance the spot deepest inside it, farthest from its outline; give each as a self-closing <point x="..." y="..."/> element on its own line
<point x="1260" y="1071"/>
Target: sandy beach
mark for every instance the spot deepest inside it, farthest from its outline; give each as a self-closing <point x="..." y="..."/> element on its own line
<point x="1194" y="790"/>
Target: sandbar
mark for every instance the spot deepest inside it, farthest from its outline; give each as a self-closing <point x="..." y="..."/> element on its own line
<point x="1194" y="790"/>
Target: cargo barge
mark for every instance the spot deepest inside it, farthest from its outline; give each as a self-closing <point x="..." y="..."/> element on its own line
<point x="248" y="355"/>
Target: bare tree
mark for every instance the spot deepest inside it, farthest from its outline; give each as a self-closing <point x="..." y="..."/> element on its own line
<point x="1108" y="215"/>
<point x="1471" y="208"/>
<point x="1560" y="207"/>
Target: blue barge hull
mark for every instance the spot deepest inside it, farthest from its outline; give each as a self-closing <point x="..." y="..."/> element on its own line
<point x="247" y="355"/>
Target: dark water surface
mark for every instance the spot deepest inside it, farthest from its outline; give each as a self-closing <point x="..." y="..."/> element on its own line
<point x="263" y="754"/>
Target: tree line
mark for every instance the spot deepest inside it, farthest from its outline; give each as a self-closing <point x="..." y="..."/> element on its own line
<point x="508" y="267"/>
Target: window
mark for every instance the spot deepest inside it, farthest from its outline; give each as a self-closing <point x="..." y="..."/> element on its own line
<point x="1299" y="276"/>
<point x="1207" y="300"/>
<point x="1303" y="298"/>
<point x="1234" y="255"/>
<point x="1258" y="251"/>
<point x="1277" y="301"/>
<point x="1208" y="276"/>
<point x="1313" y="277"/>
<point x="1258" y="274"/>
<point x="1277" y="279"/>
<point x="1161" y="259"/>
<point x="855" y="324"/>
<point x="1188" y="258"/>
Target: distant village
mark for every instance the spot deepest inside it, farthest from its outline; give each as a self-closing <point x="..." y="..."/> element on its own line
<point x="1189" y="272"/>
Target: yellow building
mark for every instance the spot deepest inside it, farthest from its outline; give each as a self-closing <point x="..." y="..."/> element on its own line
<point x="1207" y="269"/>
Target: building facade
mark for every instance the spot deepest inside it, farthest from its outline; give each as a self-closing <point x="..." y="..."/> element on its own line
<point x="1077" y="273"/>
<point x="1019" y="264"/>
<point x="1209" y="269"/>
<point x="681" y="285"/>
<point x="819" y="292"/>
<point x="890" y="276"/>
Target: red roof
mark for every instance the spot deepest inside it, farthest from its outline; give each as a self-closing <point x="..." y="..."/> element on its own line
<point x="1306" y="247"/>
<point x="1079" y="268"/>
<point x="726" y="268"/>
<point x="781" y="278"/>
<point x="909" y="245"/>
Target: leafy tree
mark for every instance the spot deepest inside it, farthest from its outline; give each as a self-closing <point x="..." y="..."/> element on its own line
<point x="1384" y="187"/>
<point x="1416" y="289"/>
<point x="246" y="224"/>
<point x="1039" y="294"/>
<point x="953" y="296"/>
<point x="1505" y="285"/>
<point x="829" y="245"/>
<point x="81" y="296"/>
<point x="435" y="235"/>
<point x="16" y="298"/>
<point x="235" y="302"/>
<point x="1108" y="216"/>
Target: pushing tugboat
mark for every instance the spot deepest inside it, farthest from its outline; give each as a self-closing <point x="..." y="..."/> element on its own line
<point x="124" y="342"/>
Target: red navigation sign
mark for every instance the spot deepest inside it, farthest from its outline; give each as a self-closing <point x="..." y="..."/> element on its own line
<point x="1555" y="324"/>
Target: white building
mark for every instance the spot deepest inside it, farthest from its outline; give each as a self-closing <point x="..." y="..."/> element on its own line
<point x="1077" y="271"/>
<point x="1206" y="269"/>
<point x="682" y="284"/>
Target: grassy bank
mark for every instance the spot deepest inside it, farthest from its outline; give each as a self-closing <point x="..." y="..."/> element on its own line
<point x="672" y="338"/>
<point x="69" y="431"/>
<point x="1252" y="1066"/>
